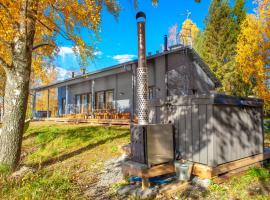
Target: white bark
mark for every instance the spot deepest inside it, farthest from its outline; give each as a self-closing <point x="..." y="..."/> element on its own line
<point x="17" y="89"/>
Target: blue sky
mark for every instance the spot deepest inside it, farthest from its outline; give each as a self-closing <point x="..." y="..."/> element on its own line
<point x="119" y="40"/>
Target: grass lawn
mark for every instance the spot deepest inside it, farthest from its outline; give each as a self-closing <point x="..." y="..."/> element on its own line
<point x="252" y="185"/>
<point x="70" y="158"/>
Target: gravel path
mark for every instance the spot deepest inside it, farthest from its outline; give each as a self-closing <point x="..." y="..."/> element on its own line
<point x="111" y="174"/>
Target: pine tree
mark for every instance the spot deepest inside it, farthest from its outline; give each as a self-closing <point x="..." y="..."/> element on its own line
<point x="219" y="40"/>
<point x="198" y="42"/>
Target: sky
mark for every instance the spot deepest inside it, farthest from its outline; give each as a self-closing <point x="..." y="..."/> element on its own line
<point x="118" y="42"/>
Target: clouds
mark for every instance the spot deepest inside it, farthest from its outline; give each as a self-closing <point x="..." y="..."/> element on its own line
<point x="65" y="50"/>
<point x="62" y="73"/>
<point x="98" y="53"/>
<point x="121" y="58"/>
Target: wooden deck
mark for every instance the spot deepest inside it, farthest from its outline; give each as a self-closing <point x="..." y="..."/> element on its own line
<point x="90" y="121"/>
<point x="130" y="168"/>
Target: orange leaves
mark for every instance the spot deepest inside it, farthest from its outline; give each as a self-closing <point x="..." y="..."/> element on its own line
<point x="188" y="32"/>
<point x="252" y="55"/>
<point x="53" y="19"/>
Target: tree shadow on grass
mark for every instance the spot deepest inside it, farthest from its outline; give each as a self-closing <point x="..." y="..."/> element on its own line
<point x="76" y="152"/>
<point x="32" y="135"/>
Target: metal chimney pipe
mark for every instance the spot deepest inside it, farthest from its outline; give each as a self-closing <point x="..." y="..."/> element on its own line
<point x="142" y="72"/>
<point x="165" y="43"/>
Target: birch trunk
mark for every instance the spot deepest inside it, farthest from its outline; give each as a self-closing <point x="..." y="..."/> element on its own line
<point x="17" y="89"/>
<point x="17" y="84"/>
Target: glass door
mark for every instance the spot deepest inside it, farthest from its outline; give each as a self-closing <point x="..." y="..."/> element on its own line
<point x="84" y="103"/>
<point x="78" y="103"/>
<point x="100" y="100"/>
<point x="63" y="111"/>
<point x="109" y="99"/>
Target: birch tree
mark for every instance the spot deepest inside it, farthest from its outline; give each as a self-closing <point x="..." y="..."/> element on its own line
<point x="28" y="32"/>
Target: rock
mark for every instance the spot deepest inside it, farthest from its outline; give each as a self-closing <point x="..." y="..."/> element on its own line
<point x="148" y="193"/>
<point x="126" y="189"/>
<point x="144" y="194"/>
<point x="201" y="182"/>
<point x="136" y="193"/>
<point x="22" y="172"/>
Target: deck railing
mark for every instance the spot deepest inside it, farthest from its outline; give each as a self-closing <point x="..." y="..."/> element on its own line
<point x="86" y="111"/>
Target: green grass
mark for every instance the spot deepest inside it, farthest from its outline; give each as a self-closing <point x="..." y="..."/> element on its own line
<point x="41" y="185"/>
<point x="4" y="170"/>
<point x="254" y="184"/>
<point x="53" y="141"/>
<point x="68" y="158"/>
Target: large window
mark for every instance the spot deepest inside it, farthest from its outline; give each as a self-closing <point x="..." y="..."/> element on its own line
<point x="84" y="103"/>
<point x="100" y="100"/>
<point x="77" y="103"/>
<point x="109" y="99"/>
<point x="104" y="100"/>
<point x="63" y="106"/>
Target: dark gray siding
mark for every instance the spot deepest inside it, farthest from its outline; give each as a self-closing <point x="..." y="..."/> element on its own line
<point x="184" y="77"/>
<point x="238" y="132"/>
<point x="210" y="133"/>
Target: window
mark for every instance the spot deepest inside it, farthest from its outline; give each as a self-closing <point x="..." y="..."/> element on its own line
<point x="84" y="103"/>
<point x="109" y="99"/>
<point x="63" y="106"/>
<point x="100" y="100"/>
<point x="77" y="103"/>
<point x="104" y="100"/>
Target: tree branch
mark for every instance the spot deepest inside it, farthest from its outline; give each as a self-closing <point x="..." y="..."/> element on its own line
<point x="42" y="45"/>
<point x="4" y="64"/>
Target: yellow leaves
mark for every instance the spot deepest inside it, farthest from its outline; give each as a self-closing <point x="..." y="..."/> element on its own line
<point x="251" y="57"/>
<point x="54" y="19"/>
<point x="188" y="32"/>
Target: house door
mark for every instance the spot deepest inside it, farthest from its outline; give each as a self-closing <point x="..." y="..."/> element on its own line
<point x="84" y="103"/>
<point x="63" y="106"/>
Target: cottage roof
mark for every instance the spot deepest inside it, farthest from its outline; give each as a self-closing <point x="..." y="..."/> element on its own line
<point x="121" y="67"/>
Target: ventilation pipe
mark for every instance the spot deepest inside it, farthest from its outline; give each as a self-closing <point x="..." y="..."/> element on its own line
<point x="83" y="71"/>
<point x="142" y="72"/>
<point x="165" y="43"/>
<point x="72" y="74"/>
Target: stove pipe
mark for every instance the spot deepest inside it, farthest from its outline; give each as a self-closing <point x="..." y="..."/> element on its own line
<point x="142" y="72"/>
<point x="165" y="43"/>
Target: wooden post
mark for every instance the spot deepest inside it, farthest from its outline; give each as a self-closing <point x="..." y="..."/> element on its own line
<point x="145" y="183"/>
<point x="48" y="104"/>
<point x="66" y="107"/>
<point x="93" y="95"/>
<point x="34" y="98"/>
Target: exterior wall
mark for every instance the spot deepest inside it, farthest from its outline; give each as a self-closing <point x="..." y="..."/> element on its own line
<point x="79" y="88"/>
<point x="212" y="133"/>
<point x="238" y="132"/>
<point x="185" y="77"/>
<point x="124" y="92"/>
<point x="192" y="119"/>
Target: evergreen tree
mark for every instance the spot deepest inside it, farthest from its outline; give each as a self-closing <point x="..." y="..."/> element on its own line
<point x="219" y="40"/>
<point x="198" y="42"/>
